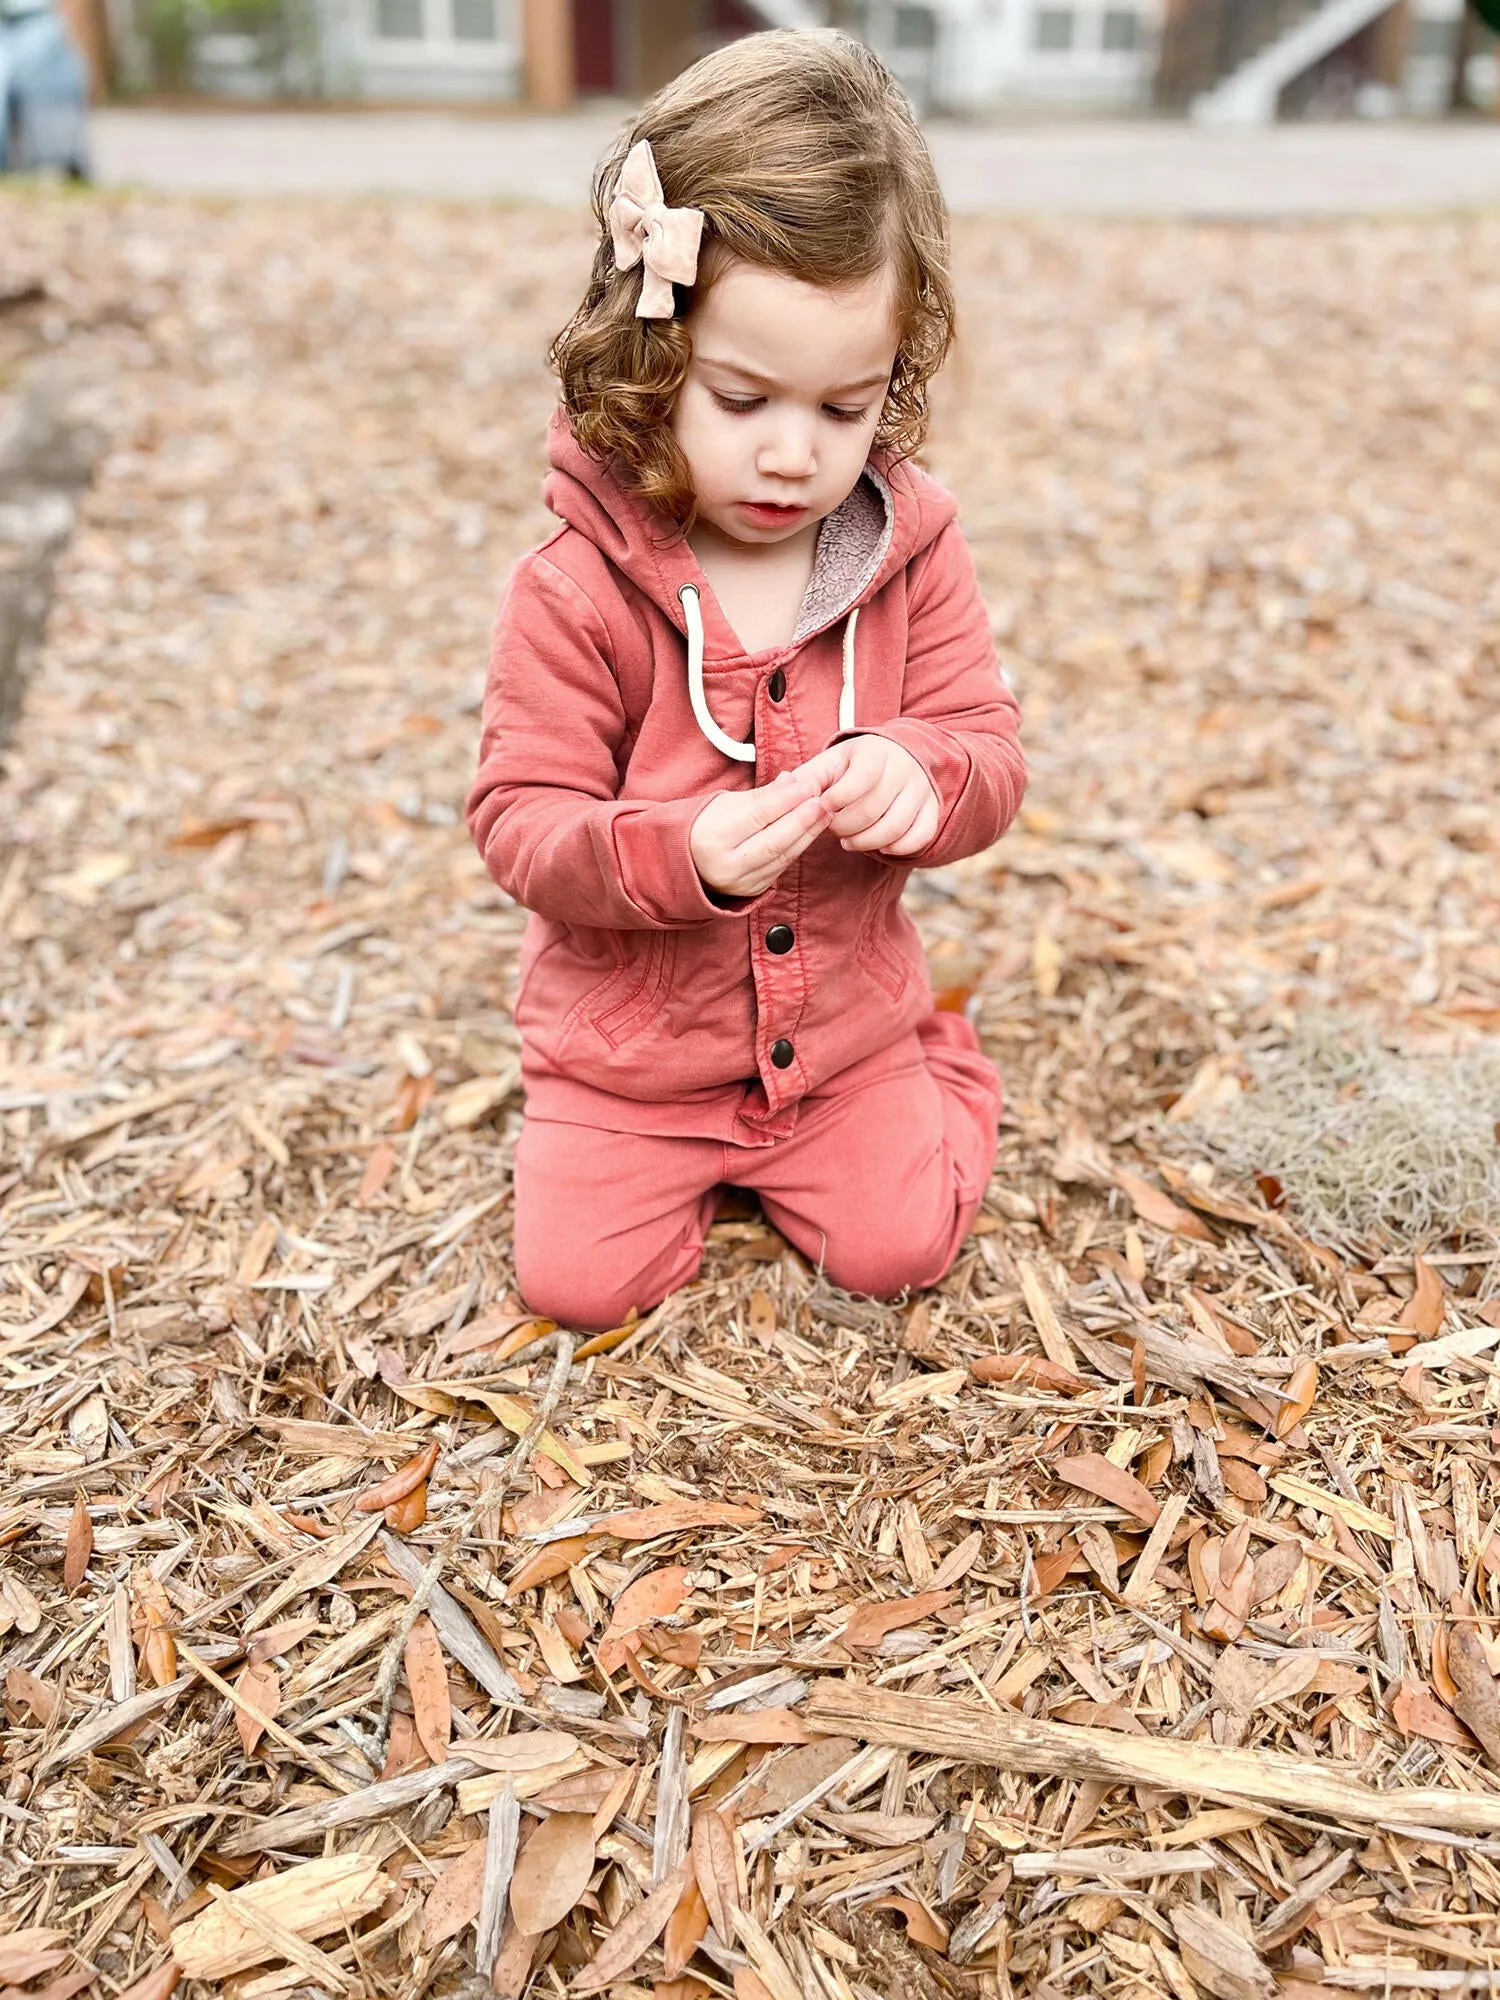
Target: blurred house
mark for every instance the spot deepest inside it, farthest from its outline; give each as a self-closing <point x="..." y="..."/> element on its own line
<point x="1245" y="60"/>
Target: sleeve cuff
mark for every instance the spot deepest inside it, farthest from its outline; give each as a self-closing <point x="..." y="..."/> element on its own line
<point x="655" y="864"/>
<point x="945" y="761"/>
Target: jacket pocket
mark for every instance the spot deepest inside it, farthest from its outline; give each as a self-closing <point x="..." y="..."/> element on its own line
<point x="880" y="951"/>
<point x="635" y="995"/>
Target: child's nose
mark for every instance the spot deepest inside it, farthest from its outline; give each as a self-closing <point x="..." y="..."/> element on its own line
<point x="788" y="453"/>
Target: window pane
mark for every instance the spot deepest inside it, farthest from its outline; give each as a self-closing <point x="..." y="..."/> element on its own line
<point x="1054" y="28"/>
<point x="1122" y="28"/>
<point x="474" y="20"/>
<point x="1435" y="38"/>
<point x="399" y="20"/>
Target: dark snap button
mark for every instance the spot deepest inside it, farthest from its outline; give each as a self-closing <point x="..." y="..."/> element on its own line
<point x="779" y="938"/>
<point x="776" y="689"/>
<point x="782" y="1054"/>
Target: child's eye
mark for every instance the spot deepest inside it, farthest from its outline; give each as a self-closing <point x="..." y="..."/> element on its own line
<point x="738" y="406"/>
<point x="842" y="416"/>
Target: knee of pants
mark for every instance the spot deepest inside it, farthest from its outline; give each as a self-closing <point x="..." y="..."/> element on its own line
<point x="883" y="1266"/>
<point x="584" y="1301"/>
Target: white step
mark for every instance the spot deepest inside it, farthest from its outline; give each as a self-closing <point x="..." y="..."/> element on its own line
<point x="1248" y="95"/>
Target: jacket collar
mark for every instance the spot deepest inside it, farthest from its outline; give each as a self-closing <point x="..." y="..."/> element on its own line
<point x="894" y="511"/>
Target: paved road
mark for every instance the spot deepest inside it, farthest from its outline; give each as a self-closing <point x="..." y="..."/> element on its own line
<point x="1106" y="168"/>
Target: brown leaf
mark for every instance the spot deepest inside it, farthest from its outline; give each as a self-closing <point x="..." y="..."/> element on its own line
<point x="405" y="1516"/>
<point x="260" y="1685"/>
<point x="158" y="1985"/>
<point x="871" y="1622"/>
<point x="1151" y="1205"/>
<point x="636" y="1932"/>
<point x="1049" y="1570"/>
<point x="1243" y="1481"/>
<point x="713" y="1865"/>
<point x="403" y="1752"/>
<point x="1031" y="1369"/>
<point x="921" y="1925"/>
<point x="453" y="1900"/>
<point x="1234" y="1553"/>
<point x="150" y="1617"/>
<point x="1424" y="1310"/>
<point x="657" y="1594"/>
<point x="552" y="1872"/>
<point x="21" y="1685"/>
<point x="1442" y="1679"/>
<point x="1301" y="1389"/>
<point x="1477" y="1701"/>
<point x="1417" y="1713"/>
<point x="79" y="1547"/>
<point x="378" y="1170"/>
<point x="1093" y="1473"/>
<point x="644" y="1524"/>
<point x="760" y="1725"/>
<point x="556" y="1559"/>
<point x="686" y="1929"/>
<point x="427" y="1679"/>
<point x="401" y="1483"/>
<point x="1272" y="1571"/>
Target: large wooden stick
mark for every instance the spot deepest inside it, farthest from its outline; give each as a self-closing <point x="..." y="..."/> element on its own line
<point x="1015" y="1743"/>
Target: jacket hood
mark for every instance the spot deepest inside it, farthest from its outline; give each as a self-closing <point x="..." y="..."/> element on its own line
<point x="893" y="513"/>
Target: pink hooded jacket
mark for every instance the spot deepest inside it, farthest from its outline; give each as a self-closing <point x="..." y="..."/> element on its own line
<point x="619" y="701"/>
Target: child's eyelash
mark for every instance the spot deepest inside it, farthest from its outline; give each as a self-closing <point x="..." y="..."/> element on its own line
<point x="742" y="406"/>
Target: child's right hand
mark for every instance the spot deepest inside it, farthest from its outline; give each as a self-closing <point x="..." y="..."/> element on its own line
<point x="741" y="841"/>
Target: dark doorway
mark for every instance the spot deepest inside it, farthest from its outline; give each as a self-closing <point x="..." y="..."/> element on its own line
<point x="595" y="60"/>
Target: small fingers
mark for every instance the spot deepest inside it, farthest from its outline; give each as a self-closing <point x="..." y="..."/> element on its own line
<point x="773" y="846"/>
<point x="918" y="835"/>
<point x="898" y="820"/>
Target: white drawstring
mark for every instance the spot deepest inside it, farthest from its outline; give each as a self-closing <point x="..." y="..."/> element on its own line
<point x="846" y="693"/>
<point x="744" y="753"/>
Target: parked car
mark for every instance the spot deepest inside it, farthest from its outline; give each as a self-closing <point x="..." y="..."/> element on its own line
<point x="44" y="91"/>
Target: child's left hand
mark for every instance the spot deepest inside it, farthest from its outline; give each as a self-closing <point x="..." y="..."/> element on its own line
<point x="882" y="801"/>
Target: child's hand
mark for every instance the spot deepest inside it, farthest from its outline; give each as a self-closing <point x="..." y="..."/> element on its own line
<point x="878" y="797"/>
<point x="741" y="841"/>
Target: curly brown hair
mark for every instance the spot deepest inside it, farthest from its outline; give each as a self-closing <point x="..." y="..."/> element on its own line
<point x="803" y="155"/>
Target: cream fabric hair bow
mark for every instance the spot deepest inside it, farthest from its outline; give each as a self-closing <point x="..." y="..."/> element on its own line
<point x="645" y="230"/>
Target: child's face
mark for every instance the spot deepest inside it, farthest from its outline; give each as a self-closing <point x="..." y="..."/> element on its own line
<point x="782" y="398"/>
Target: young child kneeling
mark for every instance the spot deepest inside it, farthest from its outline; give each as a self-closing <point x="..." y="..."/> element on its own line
<point x="743" y="688"/>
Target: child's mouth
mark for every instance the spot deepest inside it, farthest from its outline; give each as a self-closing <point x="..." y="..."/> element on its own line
<point x="768" y="514"/>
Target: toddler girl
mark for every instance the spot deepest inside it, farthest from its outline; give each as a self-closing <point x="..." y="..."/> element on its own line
<point x="741" y="690"/>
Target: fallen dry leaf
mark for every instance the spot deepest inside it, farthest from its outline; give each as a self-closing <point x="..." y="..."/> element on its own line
<point x="427" y="1681"/>
<point x="921" y="1925"/>
<point x="636" y="1932"/>
<point x="78" y="1548"/>
<point x="870" y="1622"/>
<point x="712" y="1847"/>
<point x="453" y="1900"/>
<point x="1151" y="1205"/>
<point x="260" y="1685"/>
<point x="1094" y="1473"/>
<point x="1301" y="1391"/>
<point x="674" y="1517"/>
<point x="552" y="1871"/>
<point x="1477" y="1701"/>
<point x="401" y="1484"/>
<point x="686" y="1928"/>
<point x="1032" y="1369"/>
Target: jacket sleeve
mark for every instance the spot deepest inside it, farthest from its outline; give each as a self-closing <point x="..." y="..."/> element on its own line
<point x="958" y="718"/>
<point x="543" y="808"/>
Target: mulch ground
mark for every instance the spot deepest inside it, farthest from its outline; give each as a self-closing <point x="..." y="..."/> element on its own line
<point x="1118" y="1617"/>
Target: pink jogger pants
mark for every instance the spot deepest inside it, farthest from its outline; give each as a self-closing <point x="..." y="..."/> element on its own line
<point x="878" y="1186"/>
